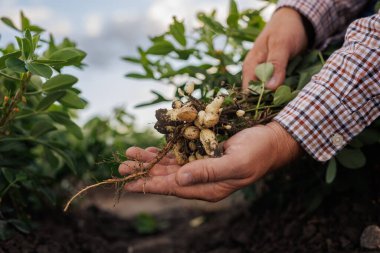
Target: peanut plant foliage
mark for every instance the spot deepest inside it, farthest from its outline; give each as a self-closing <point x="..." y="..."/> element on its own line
<point x="43" y="152"/>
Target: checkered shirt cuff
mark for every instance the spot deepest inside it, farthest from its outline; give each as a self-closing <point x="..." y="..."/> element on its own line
<point x="343" y="98"/>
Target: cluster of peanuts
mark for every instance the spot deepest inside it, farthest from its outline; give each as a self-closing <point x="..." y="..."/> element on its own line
<point x="192" y="125"/>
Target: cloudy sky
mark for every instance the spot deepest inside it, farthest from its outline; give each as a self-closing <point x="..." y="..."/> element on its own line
<point x="107" y="30"/>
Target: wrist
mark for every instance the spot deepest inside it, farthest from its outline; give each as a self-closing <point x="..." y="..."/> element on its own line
<point x="285" y="147"/>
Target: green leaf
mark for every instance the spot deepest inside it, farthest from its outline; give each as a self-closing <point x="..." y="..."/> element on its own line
<point x="48" y="62"/>
<point x="145" y="224"/>
<point x="8" y="175"/>
<point x="15" y="65"/>
<point x="72" y="100"/>
<point x="63" y="119"/>
<point x="9" y="23"/>
<point x="293" y="64"/>
<point x="21" y="176"/>
<point x="292" y="81"/>
<point x="68" y="160"/>
<point x="163" y="47"/>
<point x="245" y="34"/>
<point x="185" y="54"/>
<point x="211" y="23"/>
<point x="51" y="158"/>
<point x="26" y="48"/>
<point x="369" y="136"/>
<point x="137" y="76"/>
<point x="7" y="145"/>
<point x="25" y="23"/>
<point x="70" y="55"/>
<point x="35" y="40"/>
<point x="39" y="69"/>
<point x="233" y="16"/>
<point x="28" y="36"/>
<point x="20" y="226"/>
<point x="49" y="194"/>
<point x="41" y="128"/>
<point x="351" y="158"/>
<point x="58" y="82"/>
<point x="377" y="6"/>
<point x="37" y="29"/>
<point x="177" y="30"/>
<point x="331" y="171"/>
<point x="264" y="71"/>
<point x="19" y="42"/>
<point x="159" y="98"/>
<point x="131" y="59"/>
<point x="356" y="143"/>
<point x="282" y="95"/>
<point x="50" y="98"/>
<point x="306" y="74"/>
<point x="3" y="58"/>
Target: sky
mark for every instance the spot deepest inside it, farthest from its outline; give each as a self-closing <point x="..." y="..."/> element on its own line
<point x="108" y="30"/>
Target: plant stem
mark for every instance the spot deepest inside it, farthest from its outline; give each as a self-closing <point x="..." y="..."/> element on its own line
<point x="8" y="111"/>
<point x="9" y="77"/>
<point x="263" y="107"/>
<point x="28" y="115"/>
<point x="34" y="92"/>
<point x="321" y="58"/>
<point x="260" y="98"/>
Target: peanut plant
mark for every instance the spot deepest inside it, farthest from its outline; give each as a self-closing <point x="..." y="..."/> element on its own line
<point x="37" y="104"/>
<point x="43" y="152"/>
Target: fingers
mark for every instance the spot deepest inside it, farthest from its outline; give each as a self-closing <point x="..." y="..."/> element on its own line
<point x="128" y="167"/>
<point x="152" y="150"/>
<point x="207" y="170"/>
<point x="167" y="185"/>
<point x="157" y="150"/>
<point x="278" y="55"/>
<point x="142" y="155"/>
<point x="255" y="56"/>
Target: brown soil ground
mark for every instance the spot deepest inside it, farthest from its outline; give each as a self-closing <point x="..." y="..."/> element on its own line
<point x="232" y="225"/>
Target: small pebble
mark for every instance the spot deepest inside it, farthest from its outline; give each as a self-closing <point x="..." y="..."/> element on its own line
<point x="370" y="238"/>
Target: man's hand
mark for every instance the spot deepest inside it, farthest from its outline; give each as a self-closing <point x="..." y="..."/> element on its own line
<point x="282" y="38"/>
<point x="248" y="156"/>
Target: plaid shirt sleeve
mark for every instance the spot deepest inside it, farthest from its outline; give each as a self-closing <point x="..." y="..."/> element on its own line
<point x="326" y="16"/>
<point x="343" y="98"/>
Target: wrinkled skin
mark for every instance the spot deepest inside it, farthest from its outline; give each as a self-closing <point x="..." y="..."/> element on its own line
<point x="282" y="38"/>
<point x="248" y="156"/>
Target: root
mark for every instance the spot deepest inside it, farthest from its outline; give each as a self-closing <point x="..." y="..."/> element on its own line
<point x="130" y="178"/>
<point x="123" y="180"/>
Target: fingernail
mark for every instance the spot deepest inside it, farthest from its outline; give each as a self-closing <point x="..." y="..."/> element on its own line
<point x="271" y="84"/>
<point x="185" y="179"/>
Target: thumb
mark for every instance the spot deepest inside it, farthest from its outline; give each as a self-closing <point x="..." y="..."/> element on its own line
<point x="205" y="171"/>
<point x="279" y="58"/>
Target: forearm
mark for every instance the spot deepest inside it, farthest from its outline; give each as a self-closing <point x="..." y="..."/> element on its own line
<point x="343" y="98"/>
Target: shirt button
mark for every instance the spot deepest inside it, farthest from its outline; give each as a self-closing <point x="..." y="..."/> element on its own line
<point x="337" y="140"/>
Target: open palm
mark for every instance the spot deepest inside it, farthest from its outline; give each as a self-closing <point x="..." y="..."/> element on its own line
<point x="248" y="156"/>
